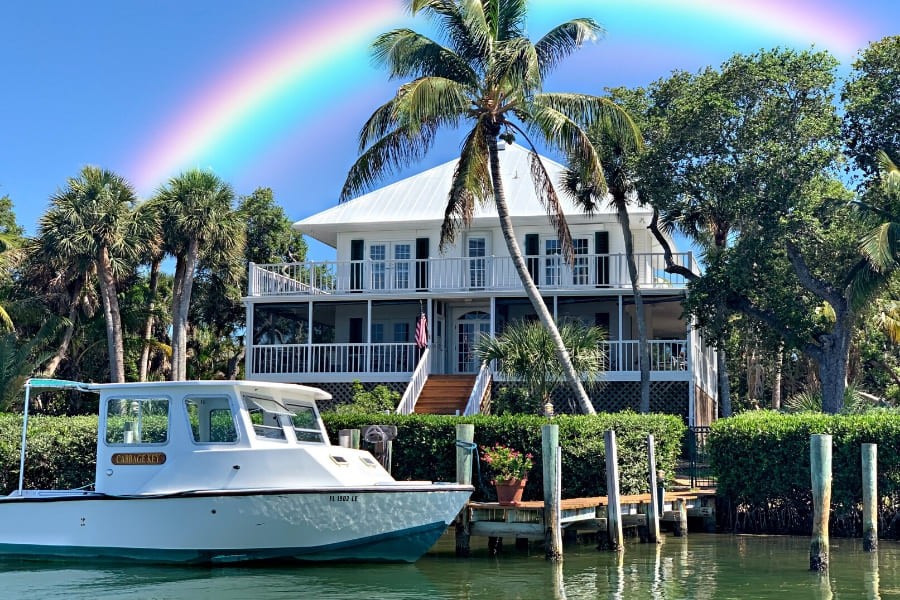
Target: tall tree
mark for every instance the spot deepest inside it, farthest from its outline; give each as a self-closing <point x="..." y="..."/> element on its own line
<point x="617" y="157"/>
<point x="489" y="75"/>
<point x="96" y="221"/>
<point x="198" y="221"/>
<point x="871" y="100"/>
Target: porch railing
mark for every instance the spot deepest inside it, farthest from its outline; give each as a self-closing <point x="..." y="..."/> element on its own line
<point x="416" y="384"/>
<point x="482" y="384"/>
<point x="333" y="358"/>
<point x="405" y="358"/>
<point x="590" y="271"/>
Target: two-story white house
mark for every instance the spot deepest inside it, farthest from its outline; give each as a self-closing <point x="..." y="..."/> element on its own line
<point x="328" y="323"/>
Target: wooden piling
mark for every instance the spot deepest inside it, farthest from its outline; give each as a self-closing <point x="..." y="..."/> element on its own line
<point x="551" y="463"/>
<point x="613" y="507"/>
<point x="820" y="467"/>
<point x="652" y="508"/>
<point x="354" y="438"/>
<point x="344" y="438"/>
<point x="870" y="496"/>
<point x="681" y="526"/>
<point x="465" y="437"/>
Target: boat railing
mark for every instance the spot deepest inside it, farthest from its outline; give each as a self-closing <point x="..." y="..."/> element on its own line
<point x="482" y="386"/>
<point x="416" y="385"/>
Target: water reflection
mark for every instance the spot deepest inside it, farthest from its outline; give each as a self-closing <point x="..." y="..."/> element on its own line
<point x="698" y="567"/>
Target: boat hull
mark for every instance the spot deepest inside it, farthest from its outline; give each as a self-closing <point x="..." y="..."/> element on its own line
<point x="340" y="524"/>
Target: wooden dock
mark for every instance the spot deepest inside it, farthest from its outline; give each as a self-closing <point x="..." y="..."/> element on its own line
<point x="526" y="519"/>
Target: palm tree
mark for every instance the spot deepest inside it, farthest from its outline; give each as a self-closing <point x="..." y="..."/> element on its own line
<point x="489" y="75"/>
<point x="882" y="244"/>
<point x="525" y="352"/>
<point x="615" y="152"/>
<point x="198" y="220"/>
<point x="96" y="221"/>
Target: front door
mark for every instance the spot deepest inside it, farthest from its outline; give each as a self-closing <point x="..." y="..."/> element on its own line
<point x="391" y="265"/>
<point x="470" y="327"/>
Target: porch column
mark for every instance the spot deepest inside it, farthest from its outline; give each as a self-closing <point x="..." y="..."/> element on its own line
<point x="493" y="317"/>
<point x="248" y="356"/>
<point x="309" y="332"/>
<point x="368" y="335"/>
<point x="619" y="364"/>
<point x="429" y="316"/>
<point x="689" y="356"/>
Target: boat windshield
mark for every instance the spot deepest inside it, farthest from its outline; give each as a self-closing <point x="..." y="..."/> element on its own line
<point x="268" y="416"/>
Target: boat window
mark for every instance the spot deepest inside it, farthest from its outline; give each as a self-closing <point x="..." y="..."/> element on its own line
<point x="211" y="420"/>
<point x="265" y="424"/>
<point x="137" y="421"/>
<point x="306" y="425"/>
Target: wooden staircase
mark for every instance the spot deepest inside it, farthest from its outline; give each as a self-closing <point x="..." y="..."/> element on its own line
<point x="445" y="394"/>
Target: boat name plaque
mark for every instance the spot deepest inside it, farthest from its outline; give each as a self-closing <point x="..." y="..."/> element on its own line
<point x="139" y="458"/>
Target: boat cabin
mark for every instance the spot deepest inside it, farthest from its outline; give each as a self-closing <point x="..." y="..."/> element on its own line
<point x="196" y="436"/>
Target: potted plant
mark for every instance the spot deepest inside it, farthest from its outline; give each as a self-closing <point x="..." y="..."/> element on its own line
<point x="510" y="469"/>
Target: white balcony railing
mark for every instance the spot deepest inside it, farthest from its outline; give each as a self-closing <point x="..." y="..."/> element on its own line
<point x="590" y="271"/>
<point x="403" y="358"/>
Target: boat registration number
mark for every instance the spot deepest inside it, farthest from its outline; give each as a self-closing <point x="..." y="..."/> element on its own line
<point x="343" y="498"/>
<point x="138" y="458"/>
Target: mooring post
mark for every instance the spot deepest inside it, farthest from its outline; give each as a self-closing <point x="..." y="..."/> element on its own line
<point x="653" y="507"/>
<point x="870" y="496"/>
<point x="613" y="505"/>
<point x="344" y="438"/>
<point x="354" y="438"/>
<point x="681" y="526"/>
<point x="465" y="438"/>
<point x="820" y="467"/>
<point x="551" y="463"/>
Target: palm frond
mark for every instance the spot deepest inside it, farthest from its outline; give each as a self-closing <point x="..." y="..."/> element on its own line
<point x="515" y="67"/>
<point x="547" y="195"/>
<point x="563" y="40"/>
<point x="471" y="184"/>
<point x="407" y="53"/>
<point x="880" y="245"/>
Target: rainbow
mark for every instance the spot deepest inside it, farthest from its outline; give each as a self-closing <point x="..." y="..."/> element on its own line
<point x="304" y="75"/>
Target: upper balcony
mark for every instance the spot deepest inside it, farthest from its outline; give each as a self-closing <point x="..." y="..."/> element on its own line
<point x="466" y="274"/>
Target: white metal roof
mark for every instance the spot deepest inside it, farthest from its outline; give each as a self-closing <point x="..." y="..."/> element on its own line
<point x="422" y="198"/>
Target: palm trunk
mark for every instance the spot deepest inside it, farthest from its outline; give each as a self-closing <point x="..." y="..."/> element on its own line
<point x="181" y="300"/>
<point x="531" y="290"/>
<point x="776" y="384"/>
<point x="148" y="326"/>
<point x="643" y="343"/>
<point x="53" y="364"/>
<point x="114" y="341"/>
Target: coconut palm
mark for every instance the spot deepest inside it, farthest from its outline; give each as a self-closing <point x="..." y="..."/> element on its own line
<point x="95" y="221"/>
<point x="882" y="244"/>
<point x="490" y="76"/>
<point x="615" y="152"/>
<point x="525" y="352"/>
<point x="198" y="220"/>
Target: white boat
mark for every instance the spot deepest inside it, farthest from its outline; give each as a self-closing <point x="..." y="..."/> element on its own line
<point x="223" y="471"/>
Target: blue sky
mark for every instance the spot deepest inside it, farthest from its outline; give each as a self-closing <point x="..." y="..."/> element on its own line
<point x="102" y="82"/>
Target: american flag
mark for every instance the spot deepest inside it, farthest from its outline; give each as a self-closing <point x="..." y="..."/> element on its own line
<point x="422" y="330"/>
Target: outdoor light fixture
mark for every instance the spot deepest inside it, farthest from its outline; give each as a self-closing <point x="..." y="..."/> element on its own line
<point x="548" y="410"/>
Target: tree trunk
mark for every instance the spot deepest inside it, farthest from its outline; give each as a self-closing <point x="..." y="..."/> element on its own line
<point x="181" y="300"/>
<point x="833" y="364"/>
<point x="776" y="384"/>
<point x="115" y="344"/>
<point x="234" y="362"/>
<point x="546" y="319"/>
<point x="53" y="364"/>
<point x="643" y="344"/>
<point x="148" y="326"/>
<point x="724" y="384"/>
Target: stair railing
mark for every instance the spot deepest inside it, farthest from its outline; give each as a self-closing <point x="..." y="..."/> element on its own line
<point x="416" y="384"/>
<point x="481" y="387"/>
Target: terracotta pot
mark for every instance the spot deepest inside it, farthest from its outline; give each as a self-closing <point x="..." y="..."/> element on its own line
<point x="509" y="492"/>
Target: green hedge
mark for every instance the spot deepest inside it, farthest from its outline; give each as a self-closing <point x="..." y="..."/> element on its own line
<point x="61" y="450"/>
<point x="761" y="462"/>
<point x="425" y="447"/>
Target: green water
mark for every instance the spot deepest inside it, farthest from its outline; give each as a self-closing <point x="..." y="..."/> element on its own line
<point x="699" y="566"/>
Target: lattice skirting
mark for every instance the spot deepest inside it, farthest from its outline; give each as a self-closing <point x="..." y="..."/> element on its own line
<point x="669" y="397"/>
<point x="341" y="391"/>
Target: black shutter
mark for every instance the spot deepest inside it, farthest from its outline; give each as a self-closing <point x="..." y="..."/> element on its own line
<point x="421" y="264"/>
<point x="601" y="246"/>
<point x="357" y="253"/>
<point x="532" y="252"/>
